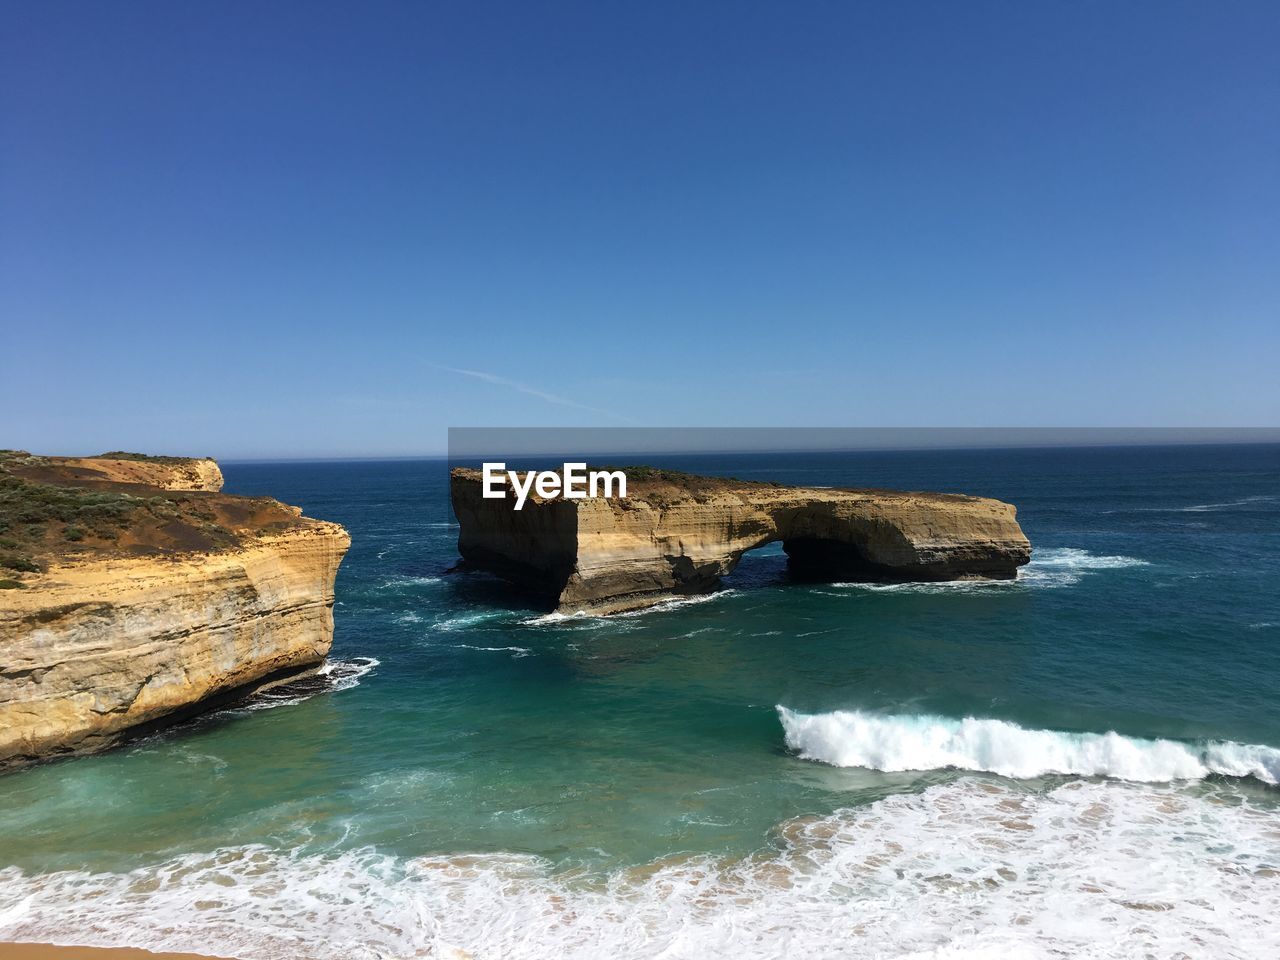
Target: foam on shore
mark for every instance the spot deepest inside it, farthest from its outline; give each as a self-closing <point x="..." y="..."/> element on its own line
<point x="965" y="869"/>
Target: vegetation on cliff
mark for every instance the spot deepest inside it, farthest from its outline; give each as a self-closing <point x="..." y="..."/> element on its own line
<point x="50" y="511"/>
<point x="140" y="457"/>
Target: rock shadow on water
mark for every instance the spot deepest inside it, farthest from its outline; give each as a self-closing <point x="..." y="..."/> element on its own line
<point x="469" y="587"/>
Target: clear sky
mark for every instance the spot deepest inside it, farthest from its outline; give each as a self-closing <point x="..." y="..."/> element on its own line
<point x="256" y="229"/>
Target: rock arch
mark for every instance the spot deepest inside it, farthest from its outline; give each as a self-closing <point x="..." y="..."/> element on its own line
<point x="677" y="534"/>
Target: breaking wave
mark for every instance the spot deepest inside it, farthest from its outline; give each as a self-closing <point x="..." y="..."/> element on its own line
<point x="1091" y="869"/>
<point x="345" y="674"/>
<point x="852" y="738"/>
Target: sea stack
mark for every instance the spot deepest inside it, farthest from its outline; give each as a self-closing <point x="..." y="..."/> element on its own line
<point x="133" y="594"/>
<point x="677" y="534"/>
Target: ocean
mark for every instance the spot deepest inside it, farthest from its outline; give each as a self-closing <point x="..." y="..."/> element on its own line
<point x="1080" y="763"/>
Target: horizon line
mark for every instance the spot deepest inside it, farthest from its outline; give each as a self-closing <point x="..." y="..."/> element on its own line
<point x="1030" y="445"/>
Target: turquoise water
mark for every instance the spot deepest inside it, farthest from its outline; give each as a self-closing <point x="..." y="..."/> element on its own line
<point x="629" y="786"/>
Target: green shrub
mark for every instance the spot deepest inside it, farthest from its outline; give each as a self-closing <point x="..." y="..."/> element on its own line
<point x="10" y="585"/>
<point x="22" y="502"/>
<point x="73" y="533"/>
<point x="143" y="457"/>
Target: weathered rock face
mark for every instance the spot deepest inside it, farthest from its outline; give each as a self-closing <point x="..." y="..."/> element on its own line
<point x="676" y="534"/>
<point x="200" y="596"/>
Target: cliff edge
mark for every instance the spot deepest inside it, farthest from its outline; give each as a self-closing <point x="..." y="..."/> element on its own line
<point x="163" y="473"/>
<point x="678" y="534"/>
<point x="133" y="594"/>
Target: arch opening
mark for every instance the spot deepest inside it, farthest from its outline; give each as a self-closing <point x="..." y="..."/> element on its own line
<point x="787" y="560"/>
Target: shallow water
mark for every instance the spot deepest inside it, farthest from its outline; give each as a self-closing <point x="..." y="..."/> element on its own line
<point x="629" y="785"/>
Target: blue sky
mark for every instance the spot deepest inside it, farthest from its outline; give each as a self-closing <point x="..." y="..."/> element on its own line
<point x="306" y="229"/>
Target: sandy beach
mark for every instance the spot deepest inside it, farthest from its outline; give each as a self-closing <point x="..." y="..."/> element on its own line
<point x="45" y="951"/>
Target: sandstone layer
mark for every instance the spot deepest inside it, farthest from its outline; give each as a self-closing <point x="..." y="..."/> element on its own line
<point x="166" y="599"/>
<point x="676" y="534"/>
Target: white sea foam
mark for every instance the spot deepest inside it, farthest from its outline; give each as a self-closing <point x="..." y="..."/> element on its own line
<point x="673" y="603"/>
<point x="1226" y="505"/>
<point x="1049" y="567"/>
<point x="475" y="618"/>
<point x="405" y="581"/>
<point x="852" y="738"/>
<point x="1199" y="507"/>
<point x="1090" y="870"/>
<point x="1071" y="558"/>
<point x="516" y="652"/>
<point x="345" y="674"/>
<point x="546" y="619"/>
<point x="943" y="587"/>
<point x="333" y="676"/>
<point x="1064" y="566"/>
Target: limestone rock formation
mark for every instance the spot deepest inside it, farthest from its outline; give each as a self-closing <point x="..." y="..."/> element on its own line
<point x="676" y="534"/>
<point x="126" y="606"/>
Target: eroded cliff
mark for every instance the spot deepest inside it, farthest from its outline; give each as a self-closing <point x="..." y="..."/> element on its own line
<point x="677" y="534"/>
<point x="126" y="605"/>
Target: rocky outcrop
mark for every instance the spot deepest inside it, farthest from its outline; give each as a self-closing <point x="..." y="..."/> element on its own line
<point x="676" y="534"/>
<point x="164" y="605"/>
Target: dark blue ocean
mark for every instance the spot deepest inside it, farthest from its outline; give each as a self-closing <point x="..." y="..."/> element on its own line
<point x="1080" y="763"/>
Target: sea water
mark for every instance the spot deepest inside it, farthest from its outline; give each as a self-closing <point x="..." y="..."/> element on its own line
<point x="1082" y="762"/>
